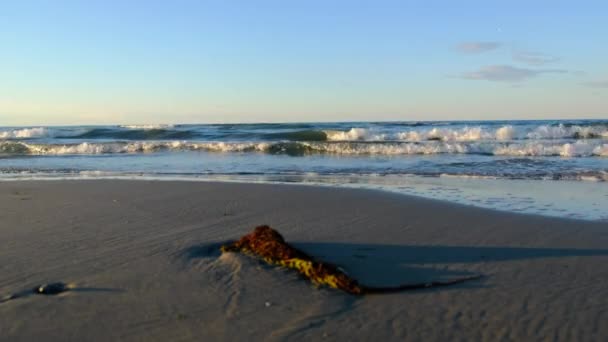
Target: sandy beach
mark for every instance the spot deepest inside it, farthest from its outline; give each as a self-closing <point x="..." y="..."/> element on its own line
<point x="144" y="261"/>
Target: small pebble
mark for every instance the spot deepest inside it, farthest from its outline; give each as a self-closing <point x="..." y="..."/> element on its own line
<point x="268" y="304"/>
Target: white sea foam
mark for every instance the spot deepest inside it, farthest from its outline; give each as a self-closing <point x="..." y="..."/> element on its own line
<point x="437" y="133"/>
<point x="391" y="148"/>
<point x="580" y="148"/>
<point x="227" y="147"/>
<point x="464" y="134"/>
<point x="504" y="133"/>
<point x="561" y="131"/>
<point x="131" y="147"/>
<point x="410" y="136"/>
<point x="577" y="149"/>
<point x="353" y="134"/>
<point x="460" y="134"/>
<point x="148" y="127"/>
<point x="24" y="133"/>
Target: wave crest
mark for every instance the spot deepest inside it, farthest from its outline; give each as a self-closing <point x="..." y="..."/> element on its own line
<point x="149" y="126"/>
<point x="132" y="134"/>
<point x="504" y="133"/>
<point x="578" y="149"/>
<point x="353" y="134"/>
<point x="562" y="131"/>
<point x="24" y="133"/>
<point x="433" y="134"/>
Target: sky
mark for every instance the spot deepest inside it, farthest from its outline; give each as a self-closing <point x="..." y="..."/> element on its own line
<point x="112" y="62"/>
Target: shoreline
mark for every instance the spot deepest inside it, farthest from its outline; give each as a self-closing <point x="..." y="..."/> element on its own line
<point x="144" y="255"/>
<point x="503" y="195"/>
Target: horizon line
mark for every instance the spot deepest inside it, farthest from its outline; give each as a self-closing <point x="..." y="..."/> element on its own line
<point x="301" y="122"/>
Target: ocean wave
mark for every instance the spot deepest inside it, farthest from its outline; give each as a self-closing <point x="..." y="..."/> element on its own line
<point x="126" y="147"/>
<point x="580" y="148"/>
<point x="562" y="131"/>
<point x="132" y="134"/>
<point x="449" y="134"/>
<point x="433" y="134"/>
<point x="577" y="149"/>
<point x="149" y="126"/>
<point x="503" y="133"/>
<point x="143" y="132"/>
<point x="24" y="133"/>
<point x="304" y="135"/>
<point x="353" y="134"/>
<point x="339" y="132"/>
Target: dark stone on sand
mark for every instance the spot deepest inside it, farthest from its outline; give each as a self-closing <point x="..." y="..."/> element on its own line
<point x="51" y="288"/>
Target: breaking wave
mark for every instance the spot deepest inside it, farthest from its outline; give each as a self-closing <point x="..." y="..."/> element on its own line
<point x="580" y="148"/>
<point x="352" y="135"/>
<point x="397" y="132"/>
<point x="504" y="133"/>
<point x="24" y="133"/>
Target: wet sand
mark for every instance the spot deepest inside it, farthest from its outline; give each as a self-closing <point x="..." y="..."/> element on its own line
<point x="143" y="259"/>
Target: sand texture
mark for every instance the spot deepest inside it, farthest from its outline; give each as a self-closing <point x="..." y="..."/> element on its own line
<point x="143" y="259"/>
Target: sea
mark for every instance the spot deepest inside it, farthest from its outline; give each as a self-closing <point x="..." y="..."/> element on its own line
<point x="550" y="167"/>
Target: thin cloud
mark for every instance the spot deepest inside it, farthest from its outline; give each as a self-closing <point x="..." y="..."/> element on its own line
<point x="477" y="47"/>
<point x="506" y="73"/>
<point x="596" y="84"/>
<point x="534" y="58"/>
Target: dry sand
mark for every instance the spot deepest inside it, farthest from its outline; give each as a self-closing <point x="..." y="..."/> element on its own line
<point x="144" y="259"/>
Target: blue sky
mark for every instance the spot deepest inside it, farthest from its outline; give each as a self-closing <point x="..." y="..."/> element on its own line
<point x="86" y="62"/>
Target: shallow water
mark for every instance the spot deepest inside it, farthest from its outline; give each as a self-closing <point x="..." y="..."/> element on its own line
<point x="556" y="168"/>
